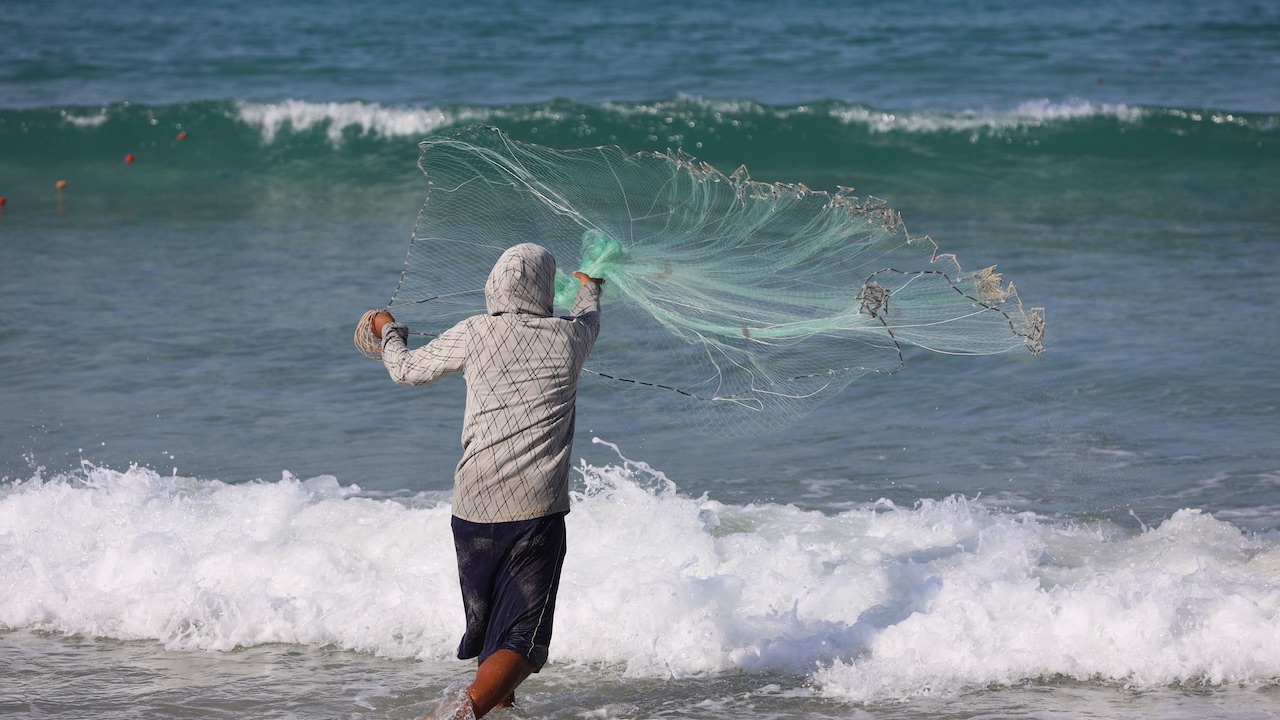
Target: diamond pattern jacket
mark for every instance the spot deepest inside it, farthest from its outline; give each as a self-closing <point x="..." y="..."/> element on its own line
<point x="521" y="364"/>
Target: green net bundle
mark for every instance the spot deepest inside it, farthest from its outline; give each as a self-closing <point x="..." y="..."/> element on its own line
<point x="731" y="306"/>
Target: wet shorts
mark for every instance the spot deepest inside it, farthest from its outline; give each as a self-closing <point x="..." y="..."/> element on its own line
<point x="509" y="574"/>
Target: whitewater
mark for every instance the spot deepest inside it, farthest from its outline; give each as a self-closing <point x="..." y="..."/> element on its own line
<point x="878" y="603"/>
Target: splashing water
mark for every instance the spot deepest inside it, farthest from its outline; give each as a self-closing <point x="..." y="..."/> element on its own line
<point x="876" y="603"/>
<point x="761" y="300"/>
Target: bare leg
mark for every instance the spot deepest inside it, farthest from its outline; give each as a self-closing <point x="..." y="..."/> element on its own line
<point x="497" y="679"/>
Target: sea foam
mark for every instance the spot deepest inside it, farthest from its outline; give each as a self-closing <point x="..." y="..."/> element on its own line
<point x="876" y="603"/>
<point x="1032" y="113"/>
<point x="336" y="118"/>
<point x="196" y="564"/>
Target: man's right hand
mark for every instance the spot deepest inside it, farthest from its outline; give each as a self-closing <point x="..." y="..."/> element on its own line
<point x="382" y="318"/>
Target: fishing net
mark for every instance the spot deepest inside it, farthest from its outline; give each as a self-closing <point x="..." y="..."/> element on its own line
<point x="731" y="306"/>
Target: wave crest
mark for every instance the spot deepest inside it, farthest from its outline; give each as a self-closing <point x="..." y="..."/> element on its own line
<point x="885" y="602"/>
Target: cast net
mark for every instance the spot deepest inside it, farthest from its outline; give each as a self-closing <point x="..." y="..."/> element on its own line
<point x="731" y="306"/>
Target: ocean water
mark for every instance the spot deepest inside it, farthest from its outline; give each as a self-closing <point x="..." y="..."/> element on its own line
<point x="212" y="506"/>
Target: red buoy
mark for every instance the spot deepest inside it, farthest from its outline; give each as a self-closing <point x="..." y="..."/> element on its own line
<point x="128" y="159"/>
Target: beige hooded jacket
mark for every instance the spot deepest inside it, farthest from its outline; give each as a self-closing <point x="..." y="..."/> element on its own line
<point x="521" y="366"/>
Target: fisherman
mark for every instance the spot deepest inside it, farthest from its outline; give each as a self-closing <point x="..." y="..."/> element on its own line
<point x="511" y="487"/>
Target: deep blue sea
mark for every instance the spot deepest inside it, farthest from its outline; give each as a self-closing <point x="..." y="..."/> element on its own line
<point x="212" y="506"/>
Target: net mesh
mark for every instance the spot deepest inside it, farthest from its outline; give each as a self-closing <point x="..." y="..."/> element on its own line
<point x="731" y="306"/>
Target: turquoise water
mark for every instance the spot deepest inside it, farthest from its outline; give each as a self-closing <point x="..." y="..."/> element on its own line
<point x="211" y="504"/>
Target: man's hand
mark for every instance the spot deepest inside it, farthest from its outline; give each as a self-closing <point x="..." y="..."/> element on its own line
<point x="382" y="318"/>
<point x="584" y="278"/>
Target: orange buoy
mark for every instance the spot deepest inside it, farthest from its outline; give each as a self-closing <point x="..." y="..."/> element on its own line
<point x="182" y="136"/>
<point x="128" y="159"/>
<point x="3" y="201"/>
<point x="61" y="185"/>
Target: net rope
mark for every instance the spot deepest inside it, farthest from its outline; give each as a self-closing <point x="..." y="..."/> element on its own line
<point x="733" y="307"/>
<point x="367" y="343"/>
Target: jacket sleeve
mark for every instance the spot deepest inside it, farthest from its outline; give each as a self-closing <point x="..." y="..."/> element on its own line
<point x="586" y="309"/>
<point x="437" y="359"/>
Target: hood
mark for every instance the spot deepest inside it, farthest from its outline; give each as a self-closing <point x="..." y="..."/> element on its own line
<point x="522" y="281"/>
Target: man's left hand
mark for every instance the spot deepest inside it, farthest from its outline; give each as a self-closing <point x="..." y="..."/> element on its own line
<point x="382" y="318"/>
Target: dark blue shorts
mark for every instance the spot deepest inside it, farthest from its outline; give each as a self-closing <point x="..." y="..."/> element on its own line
<point x="509" y="574"/>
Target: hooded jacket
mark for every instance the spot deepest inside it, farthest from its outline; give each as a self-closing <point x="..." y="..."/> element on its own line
<point x="521" y="366"/>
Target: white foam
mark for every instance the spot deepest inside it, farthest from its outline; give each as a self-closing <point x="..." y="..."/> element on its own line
<point x="684" y="106"/>
<point x="193" y="564"/>
<point x="374" y="119"/>
<point x="85" y="121"/>
<point x="1191" y="601"/>
<point x="336" y="118"/>
<point x="876" y="603"/>
<point x="1027" y="114"/>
